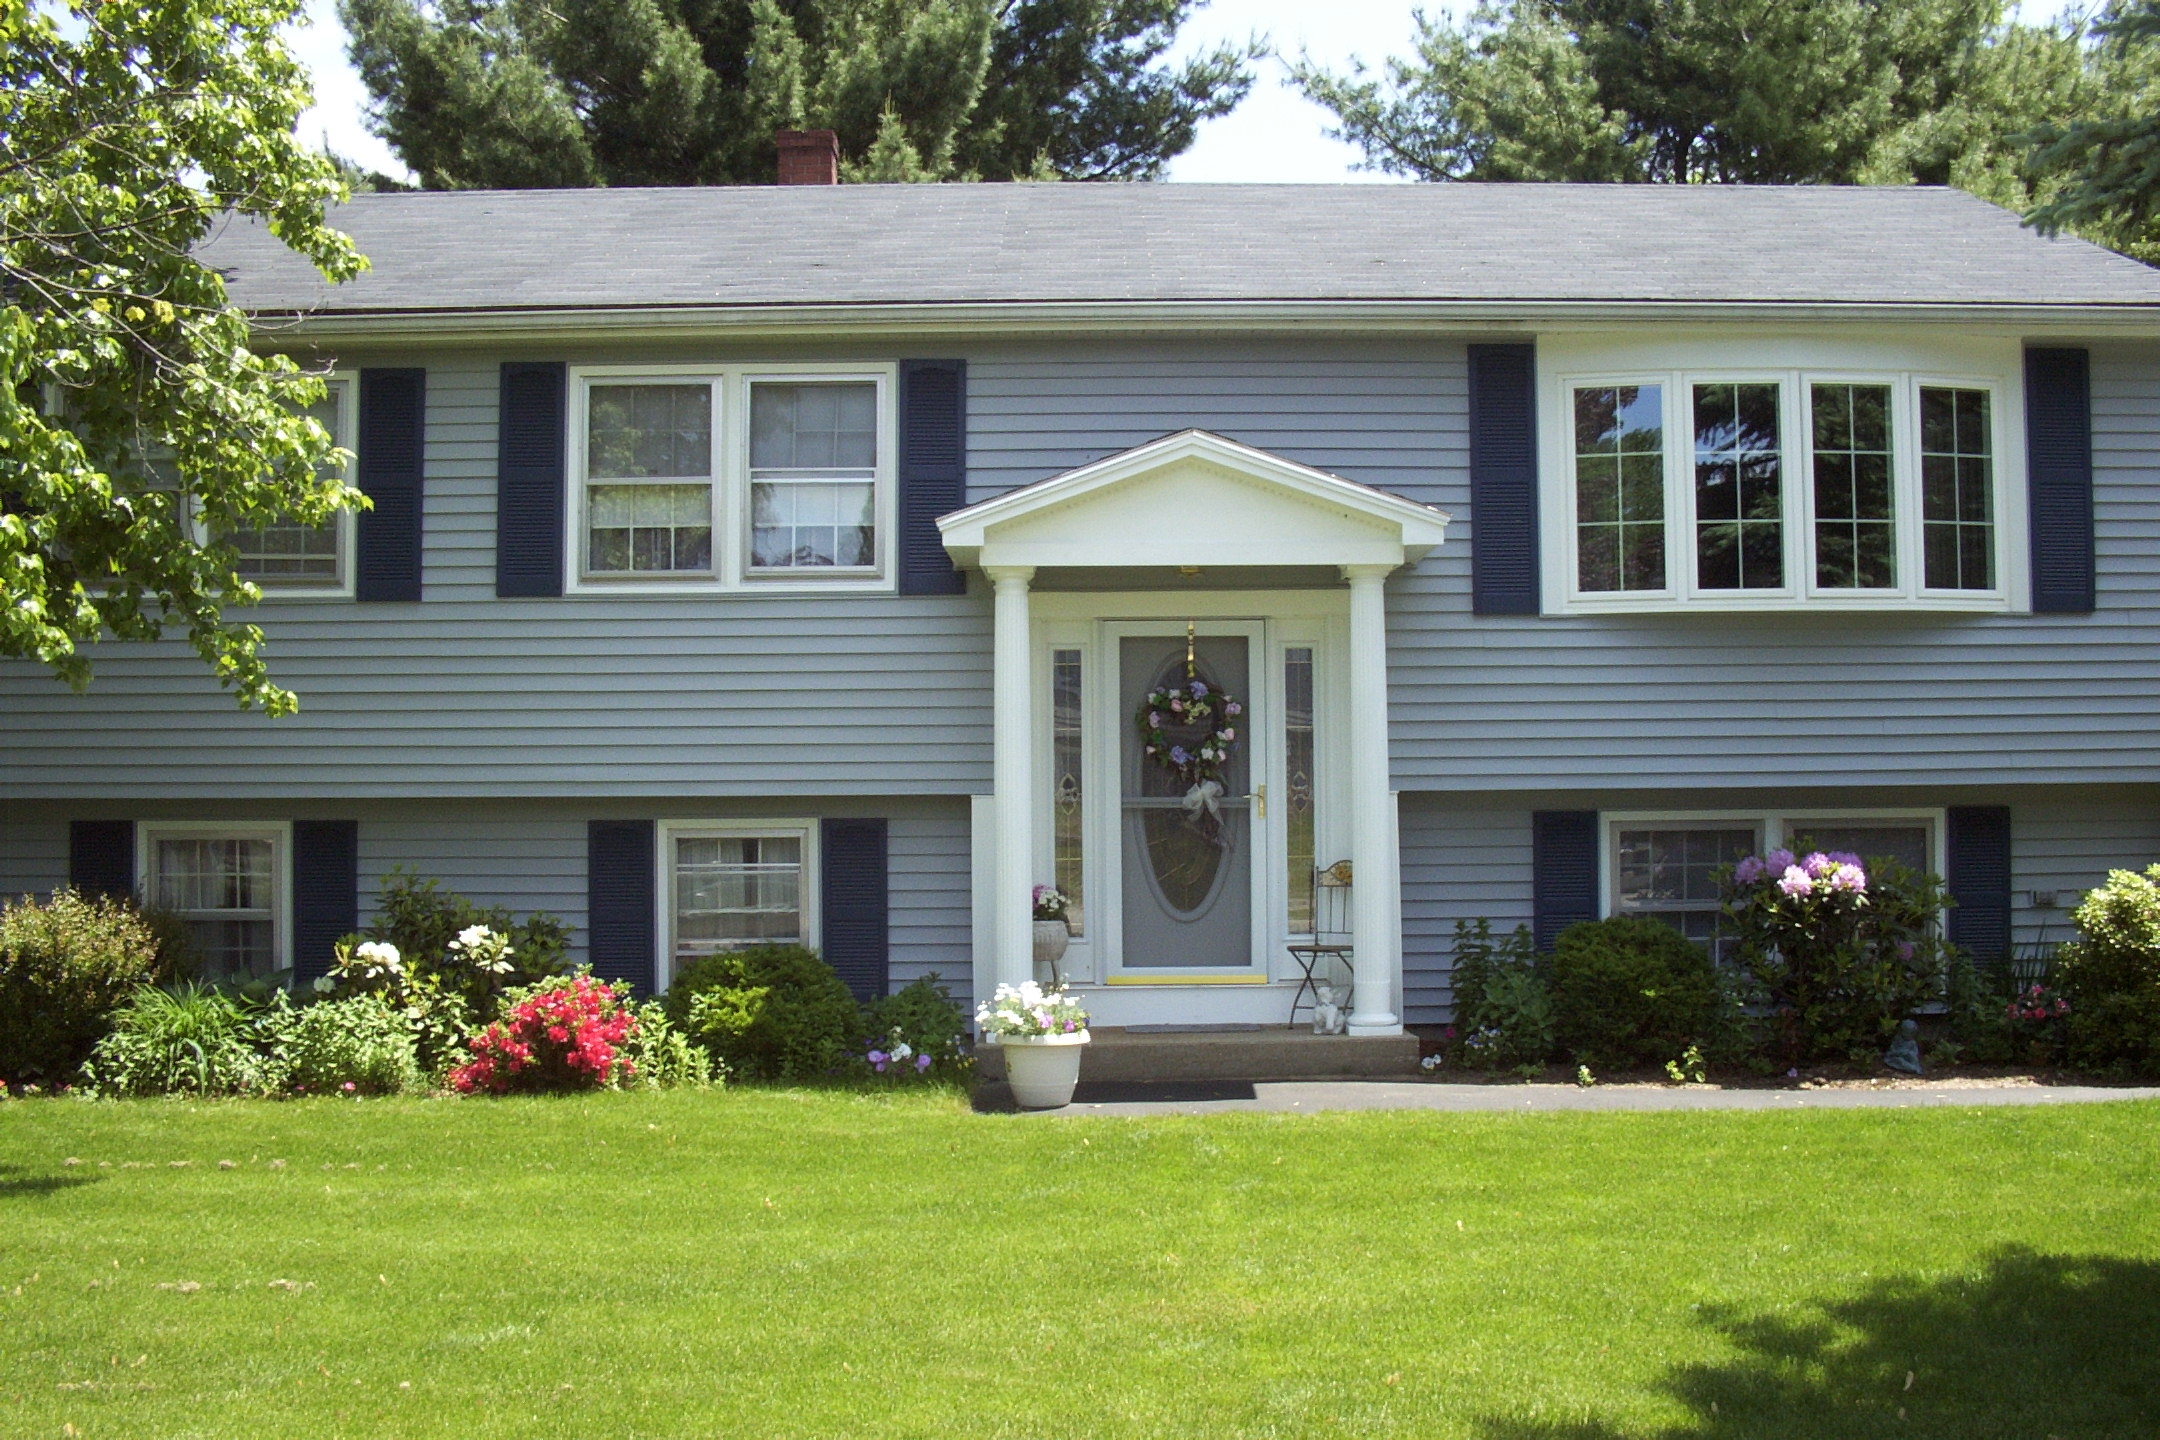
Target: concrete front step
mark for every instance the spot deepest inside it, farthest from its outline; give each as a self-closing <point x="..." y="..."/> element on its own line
<point x="1122" y="1056"/>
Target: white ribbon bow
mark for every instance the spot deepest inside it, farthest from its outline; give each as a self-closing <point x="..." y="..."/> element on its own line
<point x="1205" y="796"/>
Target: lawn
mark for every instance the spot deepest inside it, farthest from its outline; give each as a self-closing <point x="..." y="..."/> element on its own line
<point x="775" y="1263"/>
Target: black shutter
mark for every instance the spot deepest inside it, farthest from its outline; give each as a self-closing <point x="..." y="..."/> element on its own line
<point x="1563" y="872"/>
<point x="933" y="471"/>
<point x="529" y="481"/>
<point x="393" y="436"/>
<point x="619" y="900"/>
<point x="101" y="857"/>
<point x="326" y="892"/>
<point x="1978" y="850"/>
<point x="852" y="904"/>
<point x="2059" y="474"/>
<point x="1503" y="480"/>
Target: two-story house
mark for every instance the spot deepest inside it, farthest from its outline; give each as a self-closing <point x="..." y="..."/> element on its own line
<point x="798" y="563"/>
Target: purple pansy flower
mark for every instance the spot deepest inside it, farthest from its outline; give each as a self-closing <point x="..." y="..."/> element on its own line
<point x="1199" y="688"/>
<point x="1178" y="756"/>
<point x="922" y="1063"/>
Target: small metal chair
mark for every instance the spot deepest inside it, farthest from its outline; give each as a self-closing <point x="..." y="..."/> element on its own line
<point x="1329" y="945"/>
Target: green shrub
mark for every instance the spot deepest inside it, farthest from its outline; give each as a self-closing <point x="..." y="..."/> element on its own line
<point x="663" y="1058"/>
<point x="1844" y="950"/>
<point x="772" y="1012"/>
<point x="1503" y="1012"/>
<point x="363" y="1046"/>
<point x="424" y="923"/>
<point x="189" y="1041"/>
<point x="2110" y="974"/>
<point x="918" y="1031"/>
<point x="1630" y="993"/>
<point x="65" y="966"/>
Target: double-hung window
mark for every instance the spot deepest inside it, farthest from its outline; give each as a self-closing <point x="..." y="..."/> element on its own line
<point x="226" y="884"/>
<point x="733" y="476"/>
<point x="286" y="558"/>
<point x="1670" y="867"/>
<point x="1749" y="488"/>
<point x="732" y="884"/>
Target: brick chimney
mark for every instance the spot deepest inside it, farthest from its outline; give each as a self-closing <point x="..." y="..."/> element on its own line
<point x="809" y="157"/>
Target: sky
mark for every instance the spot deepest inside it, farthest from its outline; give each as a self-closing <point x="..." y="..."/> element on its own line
<point x="1276" y="135"/>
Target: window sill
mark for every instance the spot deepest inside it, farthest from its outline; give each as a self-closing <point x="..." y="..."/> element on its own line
<point x="1790" y="605"/>
<point x="717" y="589"/>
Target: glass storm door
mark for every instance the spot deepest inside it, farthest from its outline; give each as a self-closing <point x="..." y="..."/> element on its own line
<point x="1186" y="841"/>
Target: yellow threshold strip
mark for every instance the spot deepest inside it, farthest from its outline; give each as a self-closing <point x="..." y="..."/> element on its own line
<point x="1188" y="980"/>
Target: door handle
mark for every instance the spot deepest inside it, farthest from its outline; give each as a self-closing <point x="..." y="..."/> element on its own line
<point x="1259" y="799"/>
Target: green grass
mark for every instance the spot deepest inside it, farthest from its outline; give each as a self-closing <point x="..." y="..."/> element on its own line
<point x="781" y="1263"/>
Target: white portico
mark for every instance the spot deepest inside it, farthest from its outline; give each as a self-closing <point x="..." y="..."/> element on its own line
<point x="1192" y="558"/>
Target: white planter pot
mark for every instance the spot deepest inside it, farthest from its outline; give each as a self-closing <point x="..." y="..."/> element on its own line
<point x="1043" y="1069"/>
<point x="1051" y="938"/>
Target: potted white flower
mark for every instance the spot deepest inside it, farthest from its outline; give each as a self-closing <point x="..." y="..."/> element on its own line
<point x="1053" y="930"/>
<point x="1041" y="1032"/>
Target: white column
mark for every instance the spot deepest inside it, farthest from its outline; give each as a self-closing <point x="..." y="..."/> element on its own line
<point x="1376" y="878"/>
<point x="1013" y="777"/>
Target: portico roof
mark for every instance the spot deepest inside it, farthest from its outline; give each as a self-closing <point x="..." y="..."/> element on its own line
<point x="1193" y="499"/>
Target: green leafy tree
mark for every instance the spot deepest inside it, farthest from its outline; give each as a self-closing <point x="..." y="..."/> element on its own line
<point x="1760" y="91"/>
<point x="2103" y="158"/>
<point x="136" y="423"/>
<point x="519" y="93"/>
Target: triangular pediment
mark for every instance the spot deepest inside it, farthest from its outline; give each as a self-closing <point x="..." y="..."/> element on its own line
<point x="1193" y="499"/>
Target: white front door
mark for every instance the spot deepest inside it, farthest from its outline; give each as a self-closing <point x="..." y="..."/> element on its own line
<point x="1184" y="912"/>
<point x="1187" y="860"/>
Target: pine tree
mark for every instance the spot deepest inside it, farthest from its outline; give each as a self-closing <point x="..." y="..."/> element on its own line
<point x="1761" y="91"/>
<point x="516" y="93"/>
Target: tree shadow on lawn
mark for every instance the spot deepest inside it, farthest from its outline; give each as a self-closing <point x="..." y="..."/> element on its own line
<point x="18" y="1180"/>
<point x="2031" y="1346"/>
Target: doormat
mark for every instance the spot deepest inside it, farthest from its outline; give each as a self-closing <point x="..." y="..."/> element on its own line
<point x="1193" y="1029"/>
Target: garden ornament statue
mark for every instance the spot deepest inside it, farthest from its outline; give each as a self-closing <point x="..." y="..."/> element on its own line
<point x="1904" y="1052"/>
<point x="1328" y="1017"/>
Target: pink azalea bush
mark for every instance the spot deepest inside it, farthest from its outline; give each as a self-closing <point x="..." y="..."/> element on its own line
<point x="1844" y="954"/>
<point x="568" y="1033"/>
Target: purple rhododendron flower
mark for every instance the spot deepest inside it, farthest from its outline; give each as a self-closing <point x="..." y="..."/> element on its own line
<point x="1906" y="950"/>
<point x="1817" y="865"/>
<point x="1796" y="881"/>
<point x="1848" y="877"/>
<point x="1750" y="870"/>
<point x="1844" y="857"/>
<point x="1779" y="861"/>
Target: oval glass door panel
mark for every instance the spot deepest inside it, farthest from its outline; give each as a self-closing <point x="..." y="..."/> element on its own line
<point x="1186" y="850"/>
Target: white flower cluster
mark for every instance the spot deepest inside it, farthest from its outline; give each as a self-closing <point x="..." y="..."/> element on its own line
<point x="1029" y="1010"/>
<point x="483" y="949"/>
<point x="369" y="960"/>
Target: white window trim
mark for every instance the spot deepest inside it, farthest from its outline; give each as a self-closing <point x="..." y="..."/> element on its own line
<point x="731" y="570"/>
<point x="1773" y="828"/>
<point x="1562" y="592"/>
<point x="277" y="832"/>
<point x="669" y="831"/>
<point x="346" y="521"/>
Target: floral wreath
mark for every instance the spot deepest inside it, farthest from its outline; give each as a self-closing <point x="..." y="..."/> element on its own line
<point x="1189" y="703"/>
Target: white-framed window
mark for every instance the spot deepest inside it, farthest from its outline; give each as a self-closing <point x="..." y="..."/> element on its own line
<point x="228" y="883"/>
<point x="728" y="884"/>
<point x="1748" y="487"/>
<point x="732" y="476"/>
<point x="1666" y="865"/>
<point x="293" y="561"/>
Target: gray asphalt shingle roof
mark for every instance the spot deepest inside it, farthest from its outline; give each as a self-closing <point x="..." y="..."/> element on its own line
<point x="991" y="244"/>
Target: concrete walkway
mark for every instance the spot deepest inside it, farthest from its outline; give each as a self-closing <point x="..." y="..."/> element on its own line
<point x="1314" y="1096"/>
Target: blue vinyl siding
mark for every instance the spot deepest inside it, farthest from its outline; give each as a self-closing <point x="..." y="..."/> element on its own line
<point x="530" y="855"/>
<point x="749" y="696"/>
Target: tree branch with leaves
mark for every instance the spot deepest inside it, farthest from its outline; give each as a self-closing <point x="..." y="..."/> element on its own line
<point x="138" y="425"/>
